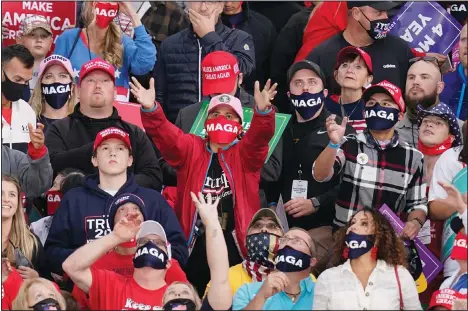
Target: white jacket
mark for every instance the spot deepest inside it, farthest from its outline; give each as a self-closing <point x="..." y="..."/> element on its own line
<point x="18" y="132"/>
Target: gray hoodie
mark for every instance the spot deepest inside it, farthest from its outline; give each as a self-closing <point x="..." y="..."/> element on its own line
<point x="35" y="176"/>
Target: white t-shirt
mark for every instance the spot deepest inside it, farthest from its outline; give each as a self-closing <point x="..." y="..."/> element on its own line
<point x="445" y="169"/>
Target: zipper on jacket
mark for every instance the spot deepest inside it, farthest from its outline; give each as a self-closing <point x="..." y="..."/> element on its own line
<point x="199" y="70"/>
<point x="195" y="216"/>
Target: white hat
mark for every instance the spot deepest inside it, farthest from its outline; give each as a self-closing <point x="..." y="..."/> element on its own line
<point x="153" y="227"/>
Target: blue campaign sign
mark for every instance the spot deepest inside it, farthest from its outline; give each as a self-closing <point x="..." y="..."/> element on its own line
<point x="426" y="26"/>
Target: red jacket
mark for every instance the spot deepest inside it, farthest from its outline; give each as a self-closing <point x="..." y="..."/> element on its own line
<point x="191" y="157"/>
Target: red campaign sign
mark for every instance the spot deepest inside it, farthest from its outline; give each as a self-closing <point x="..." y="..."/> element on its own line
<point x="129" y="112"/>
<point x="60" y="14"/>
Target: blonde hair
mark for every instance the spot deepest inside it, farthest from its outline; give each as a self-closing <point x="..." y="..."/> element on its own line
<point x="20" y="236"/>
<point x="196" y="298"/>
<point x="21" y="300"/>
<point x="111" y="46"/>
<point x="37" y="100"/>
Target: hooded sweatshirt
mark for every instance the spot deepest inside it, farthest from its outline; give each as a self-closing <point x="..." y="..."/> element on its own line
<point x="70" y="142"/>
<point x="82" y="217"/>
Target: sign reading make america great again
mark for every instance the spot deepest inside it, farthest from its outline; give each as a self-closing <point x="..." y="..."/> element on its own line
<point x="281" y="120"/>
<point x="61" y="15"/>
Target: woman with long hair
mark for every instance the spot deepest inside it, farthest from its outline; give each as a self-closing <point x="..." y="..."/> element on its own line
<point x="369" y="269"/>
<point x="22" y="248"/>
<point x="39" y="294"/>
<point x="54" y="97"/>
<point x="102" y="37"/>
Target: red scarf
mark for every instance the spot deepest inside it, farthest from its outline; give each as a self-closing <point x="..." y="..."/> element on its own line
<point x="435" y="150"/>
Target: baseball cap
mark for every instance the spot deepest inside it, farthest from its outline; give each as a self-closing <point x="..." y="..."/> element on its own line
<point x="305" y="64"/>
<point x="445" y="298"/>
<point x="153" y="227"/>
<point x="56" y="60"/>
<point x="266" y="212"/>
<point x="415" y="267"/>
<point x="378" y="5"/>
<point x="219" y="73"/>
<point x="124" y="199"/>
<point x="387" y="88"/>
<point x="443" y="111"/>
<point x="112" y="132"/>
<point x="227" y="100"/>
<point x="30" y="23"/>
<point x="97" y="64"/>
<point x="356" y="51"/>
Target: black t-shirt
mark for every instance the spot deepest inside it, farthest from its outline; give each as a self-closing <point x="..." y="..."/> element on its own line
<point x="217" y="184"/>
<point x="390" y="60"/>
<point x="207" y="307"/>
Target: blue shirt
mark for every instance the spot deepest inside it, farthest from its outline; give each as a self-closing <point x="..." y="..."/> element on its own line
<point x="455" y="93"/>
<point x="280" y="301"/>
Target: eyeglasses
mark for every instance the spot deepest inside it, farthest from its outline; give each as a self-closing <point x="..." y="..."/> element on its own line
<point x="429" y="59"/>
<point x="293" y="241"/>
<point x="268" y="226"/>
<point x="159" y="243"/>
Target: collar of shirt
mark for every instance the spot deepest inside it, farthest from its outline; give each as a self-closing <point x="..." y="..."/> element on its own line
<point x="381" y="265"/>
<point x="406" y="122"/>
<point x="367" y="138"/>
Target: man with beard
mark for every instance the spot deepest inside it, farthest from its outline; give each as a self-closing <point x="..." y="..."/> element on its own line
<point x="455" y="94"/>
<point x="423" y="87"/>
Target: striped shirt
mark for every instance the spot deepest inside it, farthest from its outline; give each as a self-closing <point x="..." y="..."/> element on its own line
<point x="373" y="176"/>
<point x="354" y="112"/>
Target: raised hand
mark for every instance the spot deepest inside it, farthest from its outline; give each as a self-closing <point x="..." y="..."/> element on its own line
<point x="275" y="282"/>
<point x="263" y="98"/>
<point x="208" y="210"/>
<point x="36" y="135"/>
<point x="455" y="200"/>
<point x="335" y="131"/>
<point x="145" y="97"/>
<point x="127" y="228"/>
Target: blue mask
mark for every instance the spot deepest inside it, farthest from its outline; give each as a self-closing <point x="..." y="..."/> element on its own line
<point x="149" y="255"/>
<point x="290" y="260"/>
<point x="307" y="104"/>
<point x="56" y="94"/>
<point x="380" y="118"/>
<point x="358" y="244"/>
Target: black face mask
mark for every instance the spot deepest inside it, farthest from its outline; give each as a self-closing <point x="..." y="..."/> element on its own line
<point x="46" y="304"/>
<point x="12" y="90"/>
<point x="56" y="94"/>
<point x="378" y="28"/>
<point x="149" y="255"/>
<point x="176" y="303"/>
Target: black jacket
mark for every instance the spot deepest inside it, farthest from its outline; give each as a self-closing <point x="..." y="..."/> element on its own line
<point x="264" y="37"/>
<point x="271" y="170"/>
<point x="287" y="46"/>
<point x="278" y="12"/>
<point x="303" y="143"/>
<point x="70" y="143"/>
<point x="177" y="73"/>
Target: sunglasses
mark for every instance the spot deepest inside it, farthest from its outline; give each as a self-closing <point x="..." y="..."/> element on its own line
<point x="429" y="59"/>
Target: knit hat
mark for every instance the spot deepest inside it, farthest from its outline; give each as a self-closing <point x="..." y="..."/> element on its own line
<point x="121" y="200"/>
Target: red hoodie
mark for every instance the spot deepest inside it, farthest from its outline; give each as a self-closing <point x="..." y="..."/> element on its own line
<point x="190" y="156"/>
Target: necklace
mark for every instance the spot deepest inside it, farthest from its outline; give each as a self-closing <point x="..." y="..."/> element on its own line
<point x="344" y="113"/>
<point x="294" y="296"/>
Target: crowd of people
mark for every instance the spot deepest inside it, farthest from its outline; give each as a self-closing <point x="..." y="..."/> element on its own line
<point x="100" y="213"/>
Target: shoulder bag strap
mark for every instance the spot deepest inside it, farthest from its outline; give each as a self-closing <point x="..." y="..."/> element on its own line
<point x="399" y="288"/>
<point x="74" y="43"/>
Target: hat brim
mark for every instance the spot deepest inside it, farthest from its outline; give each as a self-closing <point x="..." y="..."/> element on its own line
<point x="153" y="227"/>
<point x="421" y="283"/>
<point x="268" y="213"/>
<point x="97" y="69"/>
<point x="377" y="89"/>
<point x="216" y="87"/>
<point x="116" y="136"/>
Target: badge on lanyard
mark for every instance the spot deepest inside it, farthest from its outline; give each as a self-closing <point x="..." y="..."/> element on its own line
<point x="299" y="187"/>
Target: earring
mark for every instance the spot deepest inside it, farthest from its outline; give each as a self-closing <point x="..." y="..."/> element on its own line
<point x="346" y="253"/>
<point x="374" y="252"/>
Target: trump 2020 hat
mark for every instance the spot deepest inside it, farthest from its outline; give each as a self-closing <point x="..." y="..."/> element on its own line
<point x="112" y="132"/>
<point x="124" y="199"/>
<point x="56" y="60"/>
<point x="219" y="73"/>
<point x="227" y="100"/>
<point x="356" y="51"/>
<point x="31" y="23"/>
<point x="153" y="227"/>
<point x="387" y="88"/>
<point x="97" y="64"/>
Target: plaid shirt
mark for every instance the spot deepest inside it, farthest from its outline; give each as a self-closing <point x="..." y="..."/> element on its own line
<point x="164" y="19"/>
<point x="373" y="176"/>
